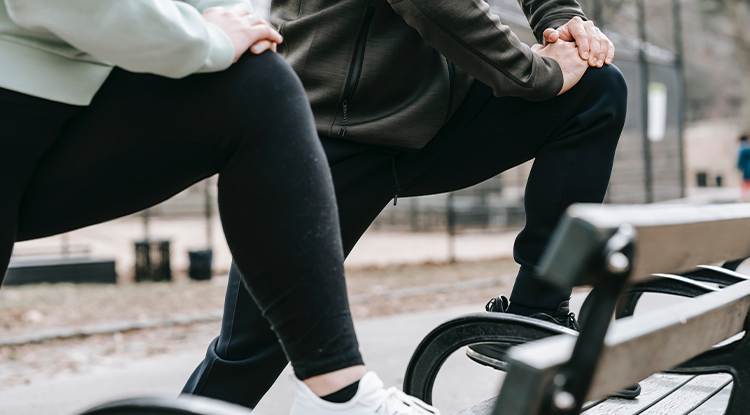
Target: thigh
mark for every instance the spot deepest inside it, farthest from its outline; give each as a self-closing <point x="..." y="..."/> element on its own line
<point x="143" y="139"/>
<point x="28" y="127"/>
<point x="364" y="183"/>
<point x="502" y="133"/>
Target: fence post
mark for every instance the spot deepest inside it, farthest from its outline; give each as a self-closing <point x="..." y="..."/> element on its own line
<point x="642" y="59"/>
<point x="451" y="222"/>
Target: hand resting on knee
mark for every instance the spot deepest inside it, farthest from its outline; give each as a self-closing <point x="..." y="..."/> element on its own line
<point x="245" y="30"/>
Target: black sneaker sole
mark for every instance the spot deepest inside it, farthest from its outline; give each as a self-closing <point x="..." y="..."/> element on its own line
<point x="486" y="360"/>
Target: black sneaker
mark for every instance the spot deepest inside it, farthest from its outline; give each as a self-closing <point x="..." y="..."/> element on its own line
<point x="494" y="354"/>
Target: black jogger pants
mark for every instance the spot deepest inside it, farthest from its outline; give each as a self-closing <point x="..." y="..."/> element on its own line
<point x="572" y="139"/>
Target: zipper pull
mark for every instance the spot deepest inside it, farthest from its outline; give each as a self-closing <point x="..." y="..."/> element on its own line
<point x="342" y="130"/>
<point x="395" y="196"/>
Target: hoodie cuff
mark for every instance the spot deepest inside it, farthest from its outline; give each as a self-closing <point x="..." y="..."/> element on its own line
<point x="221" y="54"/>
<point x="549" y="79"/>
<point x="553" y="23"/>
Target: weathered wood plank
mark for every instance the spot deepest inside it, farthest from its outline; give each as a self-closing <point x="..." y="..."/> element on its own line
<point x="654" y="389"/>
<point x="717" y="405"/>
<point x="482" y="408"/>
<point x="660" y="340"/>
<point x="662" y="394"/>
<point x="669" y="238"/>
<point x="689" y="396"/>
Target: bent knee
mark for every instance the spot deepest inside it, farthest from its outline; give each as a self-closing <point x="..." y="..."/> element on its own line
<point x="607" y="80"/>
<point x="266" y="75"/>
<point x="262" y="88"/>
<point x="606" y="87"/>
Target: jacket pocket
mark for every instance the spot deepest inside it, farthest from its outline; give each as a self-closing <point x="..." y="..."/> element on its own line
<point x="355" y="68"/>
<point x="451" y="80"/>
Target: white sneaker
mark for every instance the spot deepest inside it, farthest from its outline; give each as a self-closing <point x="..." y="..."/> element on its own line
<point x="371" y="399"/>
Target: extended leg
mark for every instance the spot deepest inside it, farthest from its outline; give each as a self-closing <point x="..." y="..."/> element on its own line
<point x="145" y="138"/>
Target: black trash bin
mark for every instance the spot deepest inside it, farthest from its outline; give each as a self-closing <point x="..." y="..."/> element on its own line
<point x="200" y="265"/>
<point x="702" y="178"/>
<point x="152" y="261"/>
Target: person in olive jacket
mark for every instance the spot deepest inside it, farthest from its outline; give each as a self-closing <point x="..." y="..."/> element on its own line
<point x="418" y="97"/>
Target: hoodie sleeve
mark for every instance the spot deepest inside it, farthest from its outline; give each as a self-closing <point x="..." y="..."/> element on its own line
<point x="163" y="37"/>
<point x="549" y="14"/>
<point x="203" y="5"/>
<point x="472" y="37"/>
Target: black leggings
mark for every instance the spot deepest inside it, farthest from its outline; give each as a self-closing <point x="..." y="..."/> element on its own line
<point x="572" y="139"/>
<point x="144" y="138"/>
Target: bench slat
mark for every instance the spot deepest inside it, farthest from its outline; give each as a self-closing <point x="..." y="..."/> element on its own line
<point x="669" y="238"/>
<point x="691" y="395"/>
<point x="655" y="388"/>
<point x="635" y="347"/>
<point x="717" y="405"/>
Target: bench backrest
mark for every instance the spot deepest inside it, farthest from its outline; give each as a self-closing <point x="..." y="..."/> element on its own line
<point x="667" y="239"/>
<point x="670" y="238"/>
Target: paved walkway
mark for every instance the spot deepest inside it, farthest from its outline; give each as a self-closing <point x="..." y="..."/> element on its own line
<point x="387" y="344"/>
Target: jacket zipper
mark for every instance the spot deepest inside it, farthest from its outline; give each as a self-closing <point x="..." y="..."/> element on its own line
<point x="451" y="76"/>
<point x="355" y="69"/>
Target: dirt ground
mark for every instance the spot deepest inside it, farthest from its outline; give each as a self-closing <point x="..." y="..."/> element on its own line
<point x="29" y="309"/>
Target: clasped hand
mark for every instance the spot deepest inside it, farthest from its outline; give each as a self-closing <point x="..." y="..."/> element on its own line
<point x="575" y="46"/>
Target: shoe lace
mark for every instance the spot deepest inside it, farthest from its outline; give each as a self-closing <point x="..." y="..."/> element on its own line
<point x="571" y="322"/>
<point x="399" y="403"/>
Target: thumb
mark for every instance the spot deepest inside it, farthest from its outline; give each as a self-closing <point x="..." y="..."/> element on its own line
<point x="551" y="36"/>
<point x="536" y="48"/>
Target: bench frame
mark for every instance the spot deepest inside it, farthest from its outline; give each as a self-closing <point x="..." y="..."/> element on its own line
<point x="597" y="246"/>
<point x="617" y="250"/>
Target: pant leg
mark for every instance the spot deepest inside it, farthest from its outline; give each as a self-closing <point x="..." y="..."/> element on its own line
<point x="28" y="127"/>
<point x="244" y="361"/>
<point x="572" y="139"/>
<point x="481" y="140"/>
<point x="144" y="138"/>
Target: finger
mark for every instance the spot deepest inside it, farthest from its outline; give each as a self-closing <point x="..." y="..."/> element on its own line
<point x="258" y="20"/>
<point x="603" y="48"/>
<point x="214" y="10"/>
<point x="594" y="43"/>
<point x="564" y="33"/>
<point x="551" y="36"/>
<point x="263" y="32"/>
<point x="240" y="10"/>
<point x="274" y="46"/>
<point x="581" y="37"/>
<point x="261" y="47"/>
<point x="610" y="54"/>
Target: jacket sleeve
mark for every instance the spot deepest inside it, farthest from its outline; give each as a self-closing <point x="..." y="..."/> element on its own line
<point x="163" y="37"/>
<point x="545" y="14"/>
<point x="470" y="36"/>
<point x="202" y="5"/>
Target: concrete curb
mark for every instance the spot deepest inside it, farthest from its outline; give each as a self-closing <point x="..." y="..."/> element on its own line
<point x="216" y="315"/>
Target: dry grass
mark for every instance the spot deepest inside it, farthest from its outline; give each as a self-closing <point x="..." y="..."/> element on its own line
<point x="29" y="309"/>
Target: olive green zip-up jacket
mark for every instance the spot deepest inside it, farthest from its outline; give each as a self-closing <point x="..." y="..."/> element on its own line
<point x="392" y="72"/>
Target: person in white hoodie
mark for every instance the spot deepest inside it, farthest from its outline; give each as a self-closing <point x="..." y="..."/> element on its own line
<point x="110" y="107"/>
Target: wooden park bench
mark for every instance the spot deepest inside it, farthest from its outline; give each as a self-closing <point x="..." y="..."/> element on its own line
<point x="622" y="252"/>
